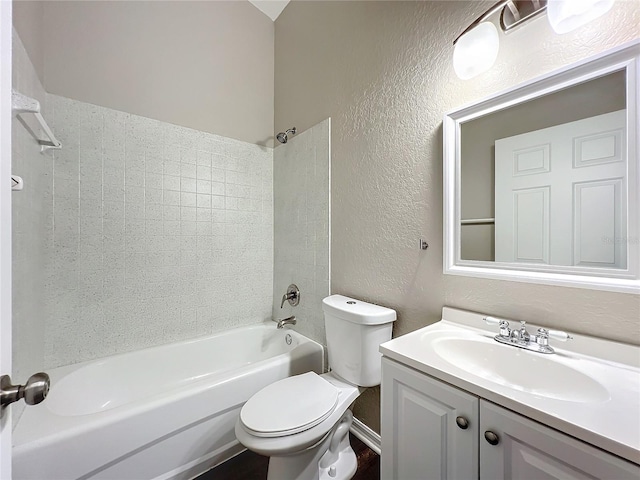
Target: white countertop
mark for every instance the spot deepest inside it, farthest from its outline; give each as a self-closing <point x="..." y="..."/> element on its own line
<point x="611" y="422"/>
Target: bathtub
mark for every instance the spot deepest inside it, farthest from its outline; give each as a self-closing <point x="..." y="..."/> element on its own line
<point x="165" y="412"/>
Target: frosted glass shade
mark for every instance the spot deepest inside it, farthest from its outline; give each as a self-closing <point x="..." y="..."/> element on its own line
<point x="476" y="51"/>
<point x="567" y="15"/>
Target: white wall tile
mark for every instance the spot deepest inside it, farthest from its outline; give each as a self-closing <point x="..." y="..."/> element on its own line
<point x="135" y="224"/>
<point x="300" y="223"/>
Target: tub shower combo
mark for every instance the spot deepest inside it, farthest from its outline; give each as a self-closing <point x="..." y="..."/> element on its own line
<point x="164" y="412"/>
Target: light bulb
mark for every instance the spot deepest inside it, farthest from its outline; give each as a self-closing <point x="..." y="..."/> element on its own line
<point x="567" y="15"/>
<point x="476" y="51"/>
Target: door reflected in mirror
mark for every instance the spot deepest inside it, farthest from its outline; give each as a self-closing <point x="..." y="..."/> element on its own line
<point x="544" y="182"/>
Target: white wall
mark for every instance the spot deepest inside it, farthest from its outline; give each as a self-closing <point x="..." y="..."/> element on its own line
<point x="28" y="20"/>
<point x="203" y="65"/>
<point x="383" y="72"/>
<point x="134" y="256"/>
<point x="158" y="233"/>
<point x="32" y="228"/>
<point x="301" y="226"/>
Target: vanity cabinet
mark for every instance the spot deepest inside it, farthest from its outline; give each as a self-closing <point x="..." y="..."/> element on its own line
<point x="420" y="436"/>
<point x="431" y="430"/>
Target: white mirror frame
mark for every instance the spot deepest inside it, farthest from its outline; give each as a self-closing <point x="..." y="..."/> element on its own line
<point x="625" y="57"/>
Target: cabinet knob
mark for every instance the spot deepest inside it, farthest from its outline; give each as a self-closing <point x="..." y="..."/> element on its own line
<point x="491" y="437"/>
<point x="462" y="422"/>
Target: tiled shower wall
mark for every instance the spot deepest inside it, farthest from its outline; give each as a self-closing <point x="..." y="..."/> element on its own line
<point x="160" y="233"/>
<point x="31" y="229"/>
<point x="301" y="222"/>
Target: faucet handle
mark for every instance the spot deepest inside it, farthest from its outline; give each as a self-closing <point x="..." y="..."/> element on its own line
<point x="292" y="296"/>
<point x="542" y="338"/>
<point x="505" y="331"/>
<point x="560" y="335"/>
<point x="285" y="297"/>
<point x="494" y="321"/>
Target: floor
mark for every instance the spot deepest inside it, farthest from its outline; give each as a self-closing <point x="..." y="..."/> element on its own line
<point x="251" y="466"/>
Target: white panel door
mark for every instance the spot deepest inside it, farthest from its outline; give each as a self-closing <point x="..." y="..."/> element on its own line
<point x="560" y="194"/>
<point x="420" y="436"/>
<point x="5" y="228"/>
<point x="528" y="450"/>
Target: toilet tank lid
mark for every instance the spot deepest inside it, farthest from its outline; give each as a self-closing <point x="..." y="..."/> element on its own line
<point x="357" y="311"/>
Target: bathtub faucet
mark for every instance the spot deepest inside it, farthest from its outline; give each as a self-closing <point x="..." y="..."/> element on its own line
<point x="286" y="321"/>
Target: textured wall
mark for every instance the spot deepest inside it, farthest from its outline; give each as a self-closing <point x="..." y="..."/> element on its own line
<point x="301" y="226"/>
<point x="32" y="224"/>
<point x="203" y="65"/>
<point x="159" y="231"/>
<point x="383" y="72"/>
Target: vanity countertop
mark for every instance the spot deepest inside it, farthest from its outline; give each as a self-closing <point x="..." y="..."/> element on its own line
<point x="589" y="388"/>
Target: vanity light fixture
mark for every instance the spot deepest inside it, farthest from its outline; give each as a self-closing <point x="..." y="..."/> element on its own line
<point x="567" y="15"/>
<point x="476" y="48"/>
<point x="476" y="51"/>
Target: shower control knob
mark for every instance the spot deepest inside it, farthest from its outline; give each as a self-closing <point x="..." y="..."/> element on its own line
<point x="33" y="392"/>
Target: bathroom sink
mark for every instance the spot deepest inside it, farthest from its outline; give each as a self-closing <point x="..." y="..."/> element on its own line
<point x="530" y="372"/>
<point x="588" y="388"/>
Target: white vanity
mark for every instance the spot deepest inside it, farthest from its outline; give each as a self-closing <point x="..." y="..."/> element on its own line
<point x="456" y="404"/>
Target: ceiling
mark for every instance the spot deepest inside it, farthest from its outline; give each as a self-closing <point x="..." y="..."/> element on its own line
<point x="271" y="8"/>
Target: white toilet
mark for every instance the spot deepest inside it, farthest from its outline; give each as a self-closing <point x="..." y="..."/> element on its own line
<point x="303" y="422"/>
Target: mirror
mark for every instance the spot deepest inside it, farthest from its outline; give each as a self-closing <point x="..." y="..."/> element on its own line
<point x="541" y="181"/>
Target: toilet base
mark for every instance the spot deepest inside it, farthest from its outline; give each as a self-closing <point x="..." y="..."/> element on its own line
<point x="332" y="458"/>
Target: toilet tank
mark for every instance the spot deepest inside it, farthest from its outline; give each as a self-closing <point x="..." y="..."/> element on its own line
<point x="355" y="330"/>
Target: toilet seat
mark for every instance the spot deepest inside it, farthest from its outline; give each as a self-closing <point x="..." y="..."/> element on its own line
<point x="289" y="406"/>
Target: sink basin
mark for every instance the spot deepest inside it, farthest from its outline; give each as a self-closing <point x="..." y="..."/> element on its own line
<point x="589" y="388"/>
<point x="519" y="369"/>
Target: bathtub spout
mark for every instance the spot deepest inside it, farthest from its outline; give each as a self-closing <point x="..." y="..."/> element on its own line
<point x="286" y="321"/>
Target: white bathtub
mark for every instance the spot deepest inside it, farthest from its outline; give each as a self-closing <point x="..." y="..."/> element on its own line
<point x="164" y="412"/>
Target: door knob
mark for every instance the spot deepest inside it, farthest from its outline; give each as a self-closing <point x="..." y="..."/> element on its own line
<point x="33" y="392"/>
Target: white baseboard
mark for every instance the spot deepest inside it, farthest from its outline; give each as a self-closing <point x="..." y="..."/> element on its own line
<point x="368" y="436"/>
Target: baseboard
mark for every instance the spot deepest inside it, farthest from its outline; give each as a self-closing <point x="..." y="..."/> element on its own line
<point x="370" y="438"/>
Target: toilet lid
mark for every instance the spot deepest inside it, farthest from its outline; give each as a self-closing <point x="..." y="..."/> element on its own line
<point x="289" y="406"/>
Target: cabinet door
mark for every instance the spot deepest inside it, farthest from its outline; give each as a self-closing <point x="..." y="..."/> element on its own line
<point x="420" y="437"/>
<point x="529" y="450"/>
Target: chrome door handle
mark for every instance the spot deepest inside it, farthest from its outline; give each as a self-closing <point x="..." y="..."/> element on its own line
<point x="33" y="392"/>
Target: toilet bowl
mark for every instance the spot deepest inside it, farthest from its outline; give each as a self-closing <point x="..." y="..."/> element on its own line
<point x="302" y="422"/>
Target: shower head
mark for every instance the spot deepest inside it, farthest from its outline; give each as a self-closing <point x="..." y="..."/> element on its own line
<point x="283" y="137"/>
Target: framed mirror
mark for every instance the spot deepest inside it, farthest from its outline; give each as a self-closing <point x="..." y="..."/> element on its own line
<point x="542" y="181"/>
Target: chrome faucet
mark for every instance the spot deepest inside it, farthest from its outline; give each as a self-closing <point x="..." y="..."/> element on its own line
<point x="286" y="321"/>
<point x="521" y="338"/>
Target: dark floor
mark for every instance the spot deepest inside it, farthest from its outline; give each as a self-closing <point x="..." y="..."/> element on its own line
<point x="251" y="466"/>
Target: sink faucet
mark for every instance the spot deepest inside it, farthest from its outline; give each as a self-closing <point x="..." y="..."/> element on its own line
<point x="286" y="321"/>
<point x="521" y="338"/>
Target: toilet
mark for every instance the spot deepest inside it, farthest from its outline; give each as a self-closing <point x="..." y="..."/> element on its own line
<point x="302" y="422"/>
